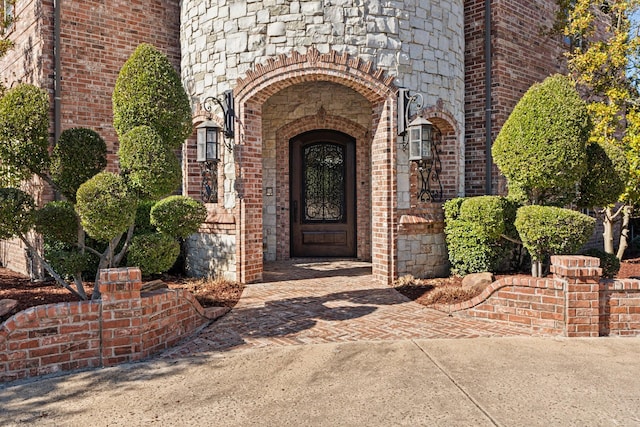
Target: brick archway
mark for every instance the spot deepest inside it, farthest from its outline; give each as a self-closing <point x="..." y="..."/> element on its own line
<point x="251" y="93"/>
<point x="363" y="175"/>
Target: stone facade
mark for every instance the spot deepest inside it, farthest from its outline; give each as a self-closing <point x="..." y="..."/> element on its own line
<point x="294" y="67"/>
<point x="417" y="45"/>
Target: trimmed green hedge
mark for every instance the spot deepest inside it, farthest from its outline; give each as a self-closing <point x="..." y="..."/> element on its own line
<point x="150" y="168"/>
<point x="549" y="230"/>
<point x="78" y="156"/>
<point x="58" y="221"/>
<point x="105" y="206"/>
<point x="178" y="216"/>
<point x="149" y="92"/>
<point x="16" y="212"/>
<point x="153" y="253"/>
<point x="474" y="227"/>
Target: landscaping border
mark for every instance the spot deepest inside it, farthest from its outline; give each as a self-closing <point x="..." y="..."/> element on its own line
<point x="573" y="302"/>
<point x="123" y="326"/>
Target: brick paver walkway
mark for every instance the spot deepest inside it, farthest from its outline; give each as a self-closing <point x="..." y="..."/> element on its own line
<point x="304" y="302"/>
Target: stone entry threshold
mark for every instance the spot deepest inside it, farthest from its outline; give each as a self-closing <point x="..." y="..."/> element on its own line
<point x="314" y="301"/>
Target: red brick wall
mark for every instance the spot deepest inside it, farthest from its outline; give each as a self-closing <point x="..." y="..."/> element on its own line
<point x="574" y="302"/>
<point x="97" y="37"/>
<point x="521" y="54"/>
<point x="124" y="326"/>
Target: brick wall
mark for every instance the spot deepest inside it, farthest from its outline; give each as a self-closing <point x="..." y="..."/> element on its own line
<point x="97" y="37"/>
<point x="574" y="302"/>
<point x="124" y="326"/>
<point x="521" y="54"/>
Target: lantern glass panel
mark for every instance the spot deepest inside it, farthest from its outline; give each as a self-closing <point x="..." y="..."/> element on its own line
<point x="426" y="142"/>
<point x="201" y="154"/>
<point x="212" y="143"/>
<point x="415" y="143"/>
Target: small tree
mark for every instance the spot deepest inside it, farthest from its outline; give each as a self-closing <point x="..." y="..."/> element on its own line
<point x="541" y="147"/>
<point x="549" y="230"/>
<point x="605" y="65"/>
<point x="148" y="92"/>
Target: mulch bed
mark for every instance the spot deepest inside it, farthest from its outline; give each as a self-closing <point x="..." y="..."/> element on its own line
<point x="222" y="293"/>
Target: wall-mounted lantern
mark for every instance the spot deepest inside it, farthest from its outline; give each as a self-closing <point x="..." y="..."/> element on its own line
<point x="420" y="141"/>
<point x="209" y="138"/>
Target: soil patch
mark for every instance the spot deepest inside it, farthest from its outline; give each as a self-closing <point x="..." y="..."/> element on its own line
<point x="210" y="293"/>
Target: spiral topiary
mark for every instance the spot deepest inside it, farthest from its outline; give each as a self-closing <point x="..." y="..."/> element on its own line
<point x="178" y="216"/>
<point x="153" y="253"/>
<point x="57" y="221"/>
<point x="16" y="212"/>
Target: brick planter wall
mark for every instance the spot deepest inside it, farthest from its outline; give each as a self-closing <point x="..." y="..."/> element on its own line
<point x="574" y="302"/>
<point x="122" y="327"/>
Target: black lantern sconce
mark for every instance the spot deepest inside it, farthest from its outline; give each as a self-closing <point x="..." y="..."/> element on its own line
<point x="209" y="138"/>
<point x="418" y="137"/>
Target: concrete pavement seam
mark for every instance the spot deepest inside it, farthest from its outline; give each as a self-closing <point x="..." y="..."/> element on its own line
<point x="457" y="385"/>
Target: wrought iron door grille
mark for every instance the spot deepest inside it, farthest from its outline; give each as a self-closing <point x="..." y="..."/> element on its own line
<point x="323" y="183"/>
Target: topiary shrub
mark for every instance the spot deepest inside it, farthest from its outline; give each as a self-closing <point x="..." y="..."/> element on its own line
<point x="548" y="230"/>
<point x="607" y="177"/>
<point x="105" y="206"/>
<point x="150" y="168"/>
<point x="153" y="253"/>
<point x="143" y="217"/>
<point x="541" y="147"/>
<point x="57" y="221"/>
<point x="65" y="260"/>
<point x="473" y="230"/>
<point x="178" y="216"/>
<point x="78" y="156"/>
<point x="16" y="212"/>
<point x="149" y="92"/>
<point x="24" y="133"/>
<point x="609" y="263"/>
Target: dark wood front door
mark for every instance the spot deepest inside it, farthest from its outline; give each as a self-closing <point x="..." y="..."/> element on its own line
<point x="322" y="207"/>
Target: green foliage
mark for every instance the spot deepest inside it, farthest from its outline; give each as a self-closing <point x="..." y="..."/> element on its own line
<point x="150" y="168"/>
<point x="24" y="133"/>
<point x="105" y="206"/>
<point x="78" y="156"/>
<point x="153" y="253"/>
<point x="178" y="216"/>
<point x="609" y="263"/>
<point x="541" y="147"/>
<point x="548" y="230"/>
<point x="148" y="92"/>
<point x="143" y="217"/>
<point x="16" y="212"/>
<point x="65" y="259"/>
<point x="57" y="221"/>
<point x="607" y="177"/>
<point x="474" y="227"/>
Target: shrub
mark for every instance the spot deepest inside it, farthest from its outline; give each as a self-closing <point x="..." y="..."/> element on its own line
<point x="150" y="168"/>
<point x="178" y="216"/>
<point x="609" y="263"/>
<point x="607" y="176"/>
<point x="24" y="133"/>
<point x="105" y="206"/>
<point x="548" y="230"/>
<point x="57" y="221"/>
<point x="78" y="156"/>
<point x="474" y="227"/>
<point x="541" y="147"/>
<point x="149" y="92"/>
<point x="143" y="217"/>
<point x="16" y="212"/>
<point x="65" y="260"/>
<point x="154" y="252"/>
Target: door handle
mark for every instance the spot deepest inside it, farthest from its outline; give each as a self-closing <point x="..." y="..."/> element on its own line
<point x="295" y="211"/>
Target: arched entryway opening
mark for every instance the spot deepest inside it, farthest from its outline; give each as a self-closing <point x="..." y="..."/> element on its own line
<point x="288" y="97"/>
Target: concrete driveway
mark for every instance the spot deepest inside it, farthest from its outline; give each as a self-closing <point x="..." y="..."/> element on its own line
<point x="469" y="382"/>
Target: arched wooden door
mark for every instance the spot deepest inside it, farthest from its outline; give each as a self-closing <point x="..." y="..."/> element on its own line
<point x="323" y="214"/>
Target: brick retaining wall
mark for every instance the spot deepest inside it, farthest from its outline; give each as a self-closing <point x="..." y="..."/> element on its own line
<point x="574" y="302"/>
<point x="122" y="327"/>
